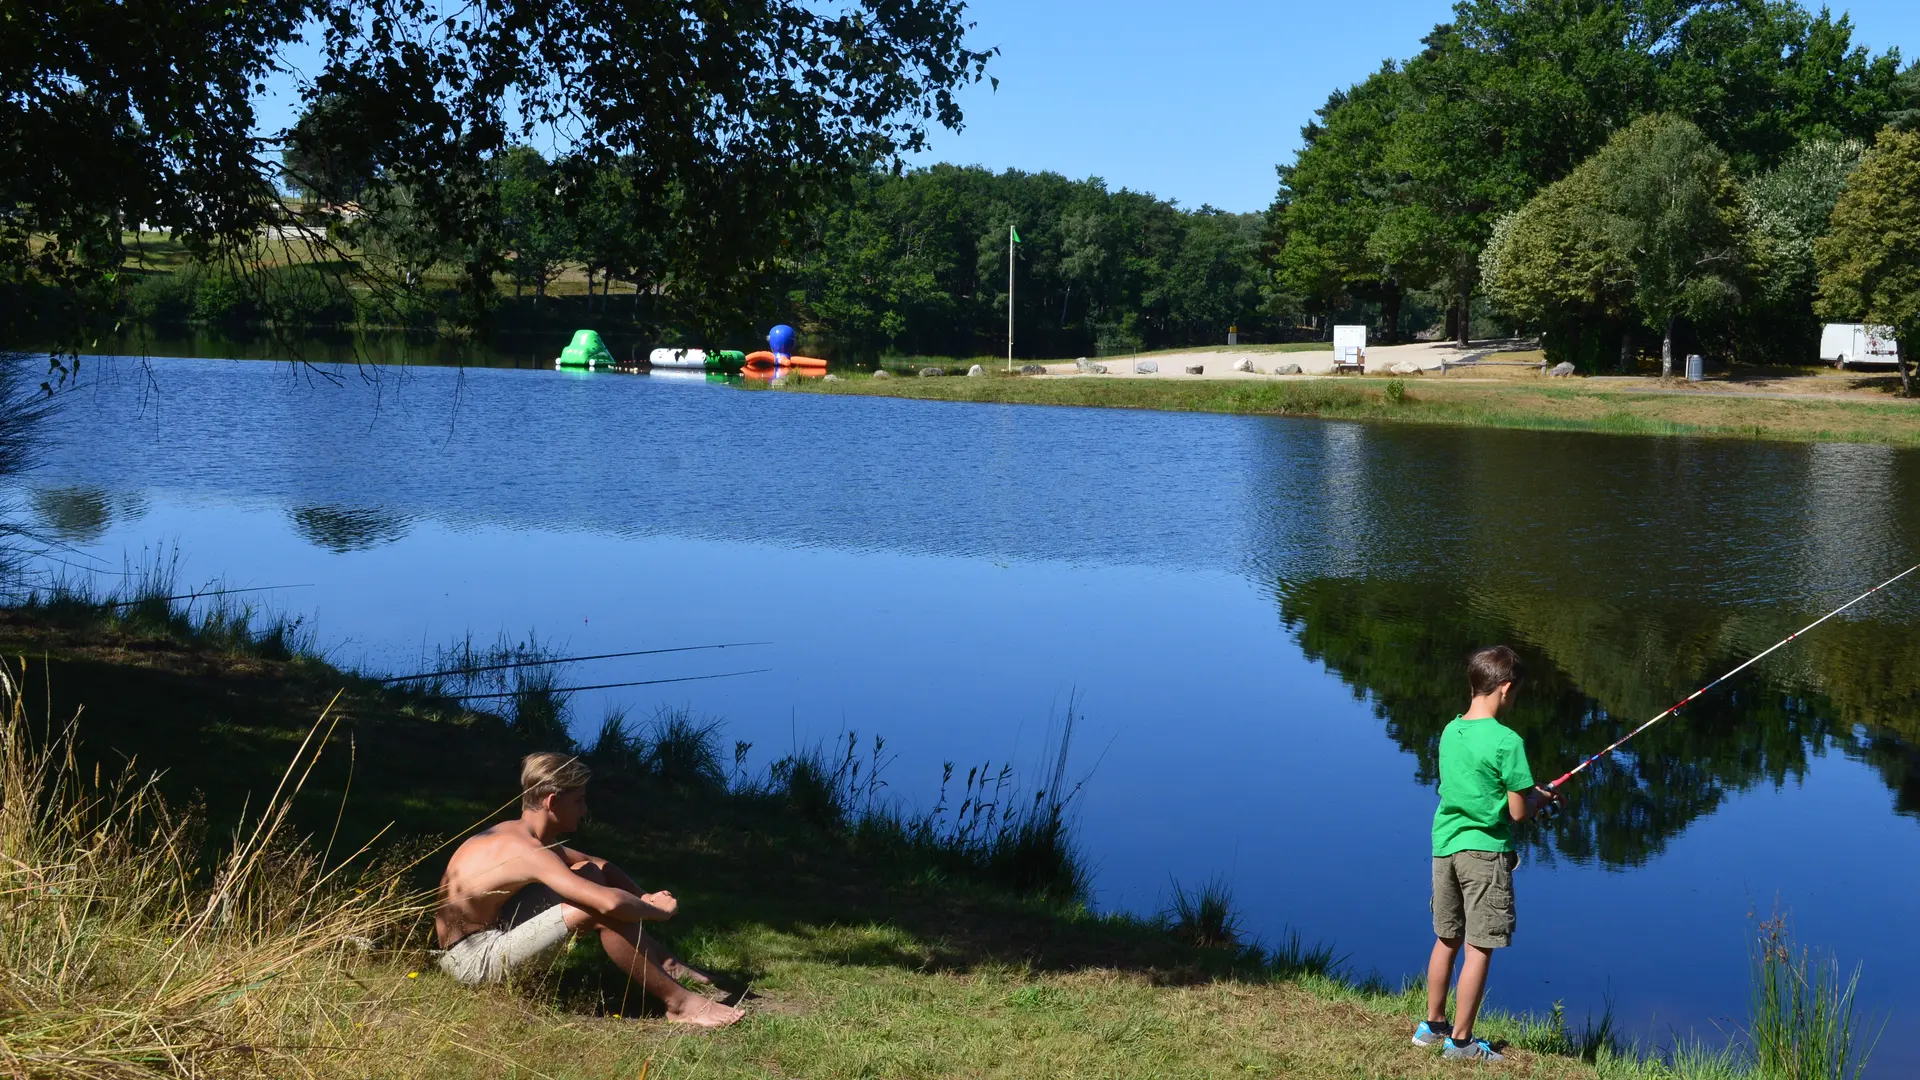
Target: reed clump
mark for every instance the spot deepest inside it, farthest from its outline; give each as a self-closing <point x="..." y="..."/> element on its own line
<point x="997" y="834"/>
<point x="1805" y="1018"/>
<point x="125" y="953"/>
<point x="148" y="601"/>
<point x="1204" y="915"/>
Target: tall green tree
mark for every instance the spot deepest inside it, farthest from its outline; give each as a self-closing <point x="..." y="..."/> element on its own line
<point x="1870" y="257"/>
<point x="1789" y="206"/>
<point x="535" y="232"/>
<point x="1654" y="225"/>
<point x="1550" y="264"/>
<point x="1674" y="216"/>
<point x="1333" y="199"/>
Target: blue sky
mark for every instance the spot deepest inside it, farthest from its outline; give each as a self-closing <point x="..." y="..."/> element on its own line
<point x="1197" y="100"/>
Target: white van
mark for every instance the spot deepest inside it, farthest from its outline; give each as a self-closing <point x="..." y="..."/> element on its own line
<point x="1857" y="343"/>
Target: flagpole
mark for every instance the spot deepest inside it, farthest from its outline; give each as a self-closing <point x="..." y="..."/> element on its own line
<point x="1010" y="236"/>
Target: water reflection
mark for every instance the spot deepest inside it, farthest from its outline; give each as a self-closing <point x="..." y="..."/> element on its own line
<point x="83" y="513"/>
<point x="341" y="529"/>
<point x="1403" y="646"/>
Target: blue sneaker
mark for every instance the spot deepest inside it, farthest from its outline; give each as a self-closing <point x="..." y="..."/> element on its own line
<point x="1477" y="1050"/>
<point x="1427" y="1035"/>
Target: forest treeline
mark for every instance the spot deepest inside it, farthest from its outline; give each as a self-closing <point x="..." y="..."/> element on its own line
<point x="914" y="262"/>
<point x="1612" y="174"/>
<point x="1626" y="178"/>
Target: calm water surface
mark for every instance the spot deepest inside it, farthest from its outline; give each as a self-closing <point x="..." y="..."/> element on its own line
<point x="1263" y="622"/>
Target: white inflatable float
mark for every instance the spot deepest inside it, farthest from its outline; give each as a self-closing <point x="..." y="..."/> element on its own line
<point x="678" y="358"/>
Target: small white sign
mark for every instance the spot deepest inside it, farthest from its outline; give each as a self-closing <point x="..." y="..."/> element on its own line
<point x="1349" y="346"/>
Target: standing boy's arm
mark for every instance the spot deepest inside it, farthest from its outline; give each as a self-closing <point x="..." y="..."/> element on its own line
<point x="1524" y="797"/>
<point x="1522" y="805"/>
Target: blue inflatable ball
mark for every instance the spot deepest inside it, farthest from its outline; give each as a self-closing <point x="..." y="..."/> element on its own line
<point x="780" y="340"/>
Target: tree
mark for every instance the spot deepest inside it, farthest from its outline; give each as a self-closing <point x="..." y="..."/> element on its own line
<point x="1789" y="206"/>
<point x="1652" y="225"/>
<point x="1509" y="97"/>
<point x="1333" y="200"/>
<point x="1870" y="257"/>
<point x="1550" y="264"/>
<point x="317" y="165"/>
<point x="738" y="117"/>
<point x="533" y="229"/>
<point x="123" y="114"/>
<point x="1674" y="217"/>
<point x="610" y="225"/>
<point x="1905" y="114"/>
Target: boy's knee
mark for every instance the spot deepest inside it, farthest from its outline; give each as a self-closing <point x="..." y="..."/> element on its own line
<point x="590" y="871"/>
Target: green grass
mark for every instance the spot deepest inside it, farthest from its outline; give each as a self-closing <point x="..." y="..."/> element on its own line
<point x="876" y="941"/>
<point x="1432" y="400"/>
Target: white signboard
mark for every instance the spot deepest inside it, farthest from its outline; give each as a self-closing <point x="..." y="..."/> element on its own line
<point x="1349" y="345"/>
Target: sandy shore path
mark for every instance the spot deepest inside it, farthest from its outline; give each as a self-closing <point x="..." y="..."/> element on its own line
<point x="1219" y="364"/>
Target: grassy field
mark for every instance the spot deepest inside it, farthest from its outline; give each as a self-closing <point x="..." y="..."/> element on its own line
<point x="1532" y="405"/>
<point x="857" y="954"/>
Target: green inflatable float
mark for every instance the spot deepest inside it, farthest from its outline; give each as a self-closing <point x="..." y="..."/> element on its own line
<point x="586" y="350"/>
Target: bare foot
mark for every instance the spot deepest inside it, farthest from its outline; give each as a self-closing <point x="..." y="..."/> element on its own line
<point x="679" y="969"/>
<point x="704" y="1012"/>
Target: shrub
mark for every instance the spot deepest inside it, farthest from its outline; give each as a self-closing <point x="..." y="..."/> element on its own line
<point x="296" y="296"/>
<point x="160" y="298"/>
<point x="220" y="297"/>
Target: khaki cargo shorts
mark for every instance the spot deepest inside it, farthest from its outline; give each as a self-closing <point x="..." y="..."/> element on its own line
<point x="1473" y="897"/>
<point x="532" y="927"/>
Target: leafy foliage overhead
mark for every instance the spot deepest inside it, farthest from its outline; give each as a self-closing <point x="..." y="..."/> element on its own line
<point x="730" y="119"/>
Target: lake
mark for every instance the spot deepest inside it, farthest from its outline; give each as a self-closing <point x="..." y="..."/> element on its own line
<point x="1261" y="623"/>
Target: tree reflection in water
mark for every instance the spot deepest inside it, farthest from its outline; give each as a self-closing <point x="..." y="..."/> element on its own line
<point x="341" y="529"/>
<point x="1592" y="675"/>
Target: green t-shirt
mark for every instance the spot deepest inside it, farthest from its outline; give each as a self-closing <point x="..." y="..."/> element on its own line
<point x="1480" y="761"/>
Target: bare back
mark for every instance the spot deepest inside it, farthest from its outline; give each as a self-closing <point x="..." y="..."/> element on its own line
<point x="488" y="868"/>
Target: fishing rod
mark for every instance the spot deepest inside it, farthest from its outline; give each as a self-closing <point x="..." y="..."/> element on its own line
<point x="608" y="686"/>
<point x="1684" y="702"/>
<point x="566" y="660"/>
<point x="198" y="595"/>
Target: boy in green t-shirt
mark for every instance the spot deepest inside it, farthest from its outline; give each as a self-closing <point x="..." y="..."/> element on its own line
<point x="1485" y="786"/>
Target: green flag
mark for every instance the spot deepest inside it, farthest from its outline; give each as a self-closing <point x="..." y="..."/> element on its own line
<point x="1015" y="232"/>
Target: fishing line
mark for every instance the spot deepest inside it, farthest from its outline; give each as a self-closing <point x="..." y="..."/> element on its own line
<point x="567" y="660"/>
<point x="1684" y="702"/>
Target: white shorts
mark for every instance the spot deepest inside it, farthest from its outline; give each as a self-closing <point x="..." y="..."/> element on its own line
<point x="532" y="926"/>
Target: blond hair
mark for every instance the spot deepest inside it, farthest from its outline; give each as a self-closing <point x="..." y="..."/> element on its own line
<point x="549" y="773"/>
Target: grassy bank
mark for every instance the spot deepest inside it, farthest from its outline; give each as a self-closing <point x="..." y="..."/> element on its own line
<point x="1432" y="400"/>
<point x="204" y="925"/>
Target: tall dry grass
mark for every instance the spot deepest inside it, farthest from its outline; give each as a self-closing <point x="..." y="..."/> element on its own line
<point x="127" y="951"/>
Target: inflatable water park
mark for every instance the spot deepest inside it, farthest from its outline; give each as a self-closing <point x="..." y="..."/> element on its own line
<point x="587" y="351"/>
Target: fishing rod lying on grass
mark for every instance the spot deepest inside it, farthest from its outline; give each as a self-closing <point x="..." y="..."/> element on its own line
<point x="608" y="686"/>
<point x="198" y="595"/>
<point x="1689" y="699"/>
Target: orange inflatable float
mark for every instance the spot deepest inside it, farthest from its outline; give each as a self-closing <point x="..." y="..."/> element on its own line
<point x="766" y="361"/>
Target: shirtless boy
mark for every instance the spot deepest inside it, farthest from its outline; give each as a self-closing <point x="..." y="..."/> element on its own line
<point x="513" y="894"/>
